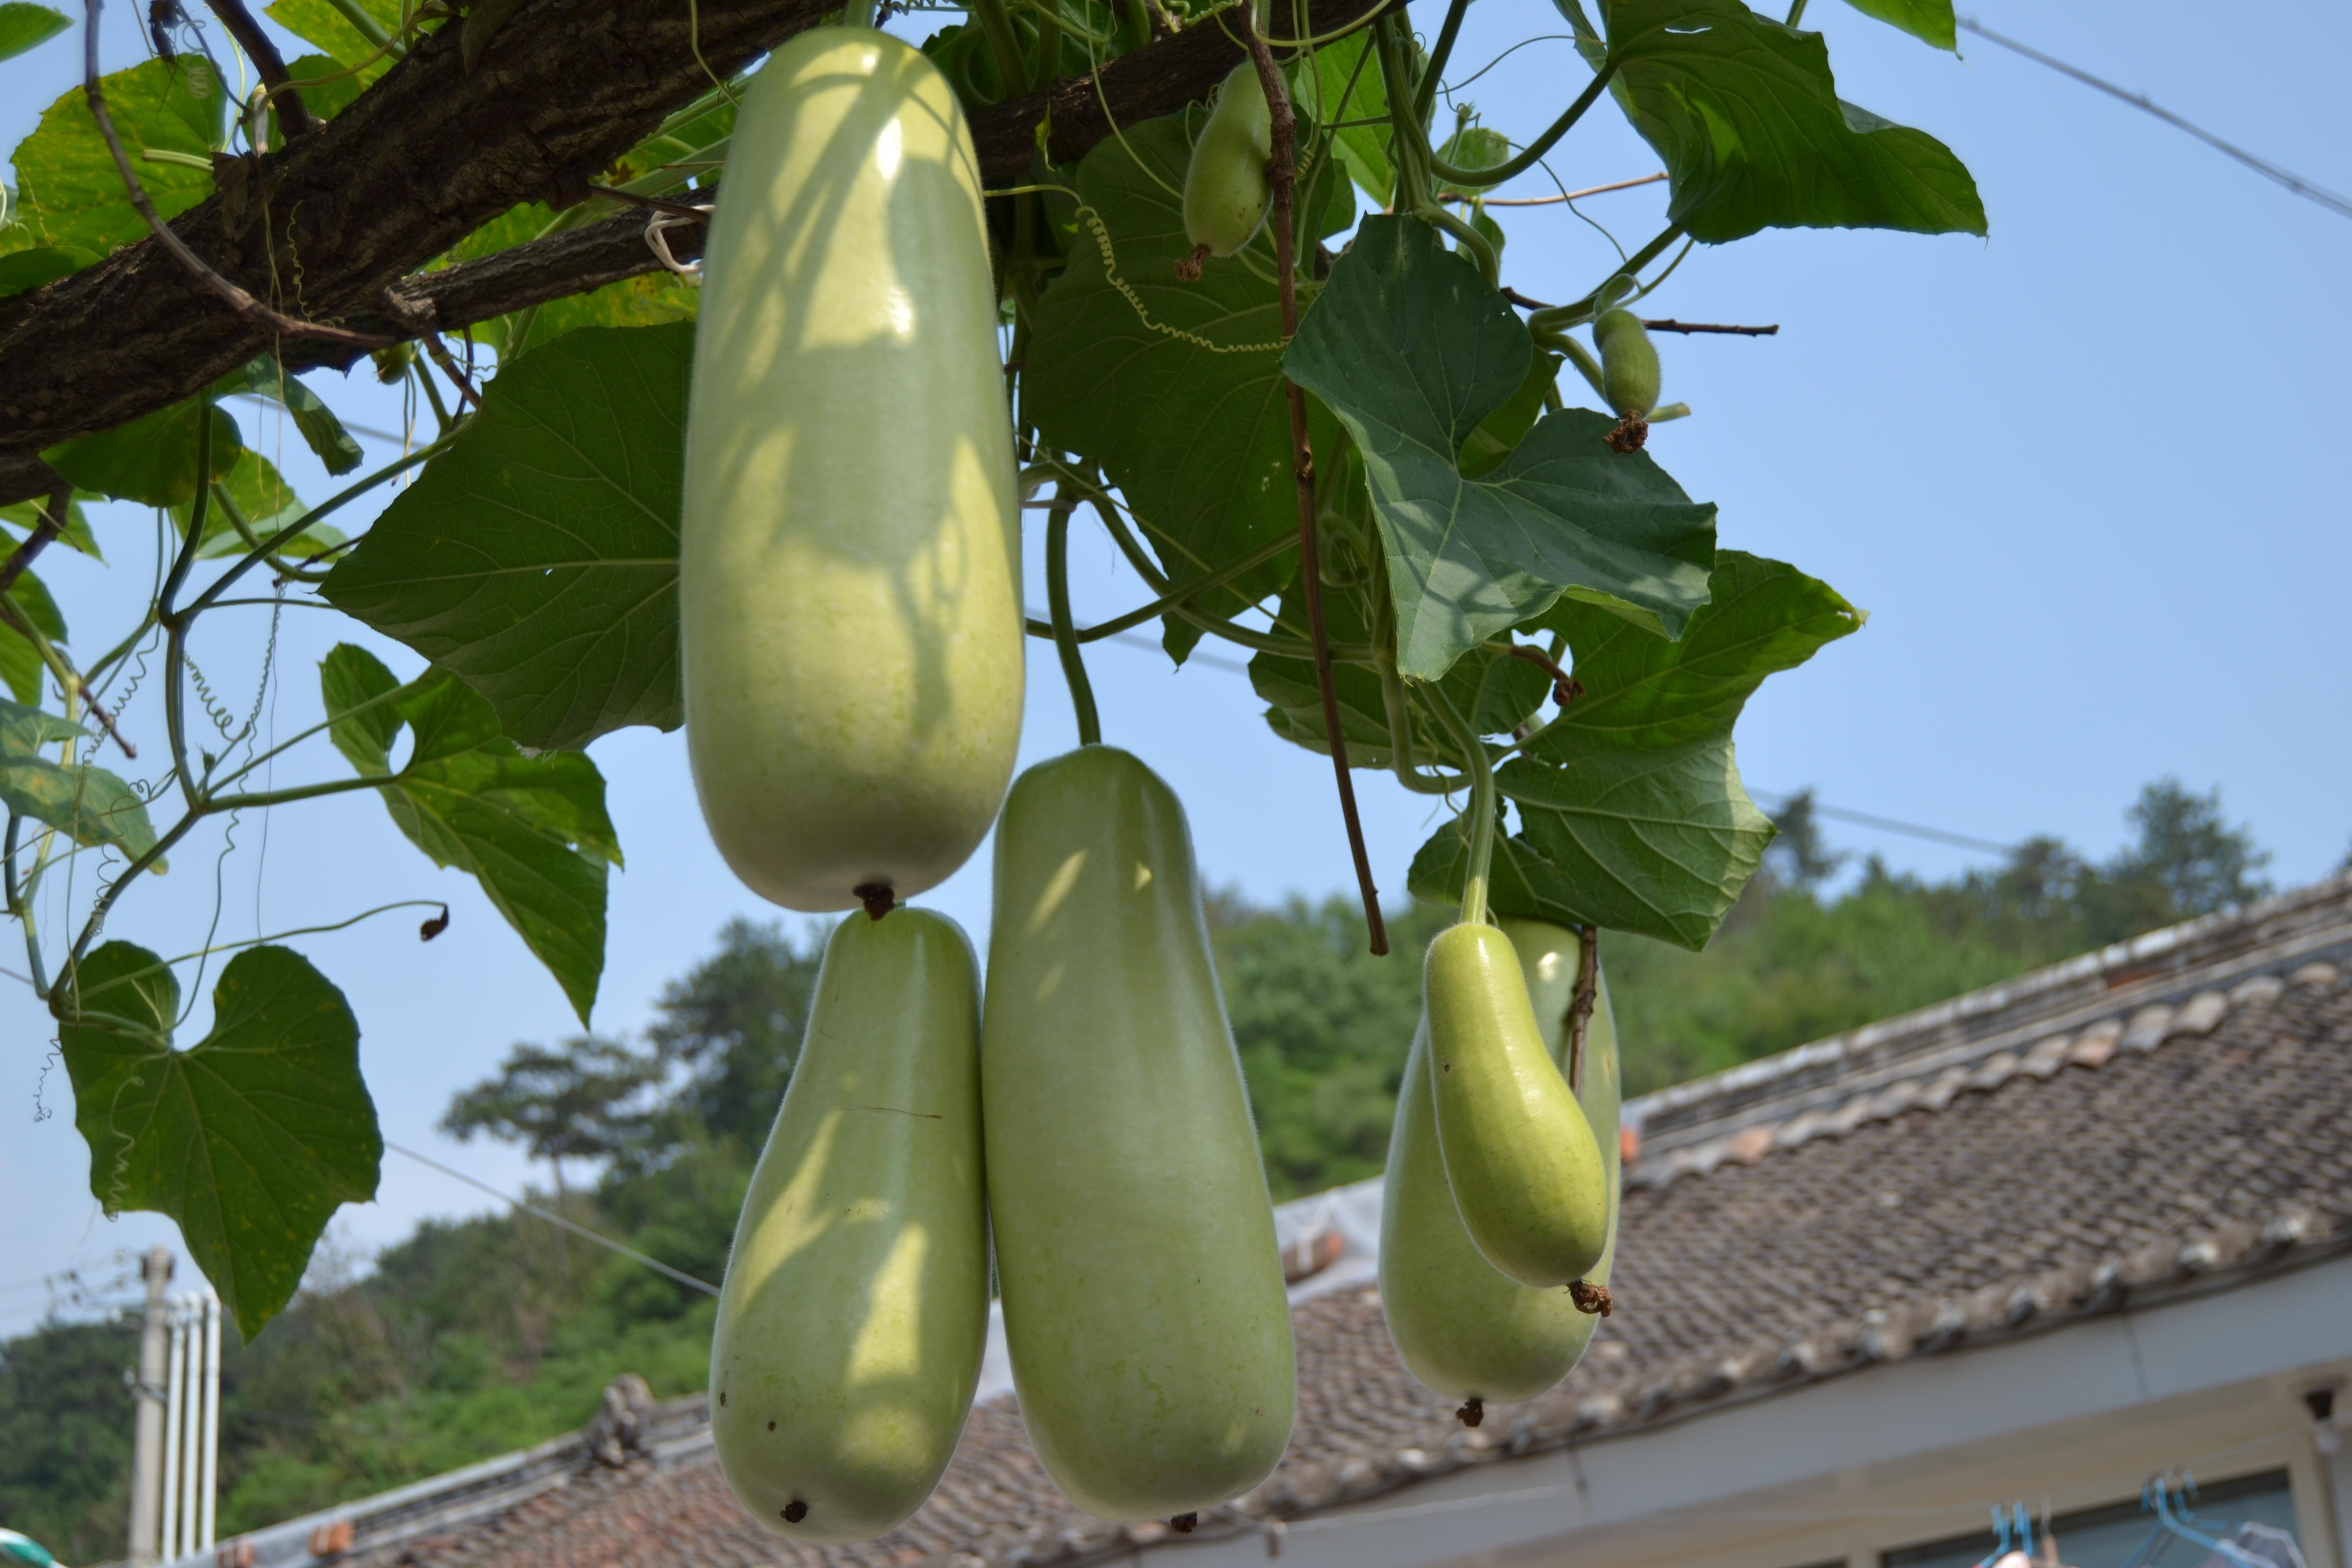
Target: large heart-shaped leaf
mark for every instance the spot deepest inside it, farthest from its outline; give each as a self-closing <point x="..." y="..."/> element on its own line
<point x="532" y="831"/>
<point x="1748" y="118"/>
<point x="71" y="189"/>
<point x="537" y="557"/>
<point x="1413" y="349"/>
<point x="251" y="1139"/>
<point x="1631" y="811"/>
<point x="1175" y="388"/>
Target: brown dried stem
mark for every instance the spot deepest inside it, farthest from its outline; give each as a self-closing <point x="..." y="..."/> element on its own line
<point x="1282" y="172"/>
<point x="1708" y="327"/>
<point x="1579" y="1009"/>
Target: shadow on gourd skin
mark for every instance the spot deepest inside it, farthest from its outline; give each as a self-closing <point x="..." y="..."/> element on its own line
<point x="857" y="400"/>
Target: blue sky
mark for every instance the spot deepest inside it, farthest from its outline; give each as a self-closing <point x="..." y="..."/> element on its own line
<point x="2088" y="475"/>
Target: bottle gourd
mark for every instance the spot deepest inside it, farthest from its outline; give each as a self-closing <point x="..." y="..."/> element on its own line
<point x="849" y="564"/>
<point x="1520" y="1155"/>
<point x="854" y="1312"/>
<point x="1462" y="1326"/>
<point x="1630" y="376"/>
<point x="1227" y="191"/>
<point x="1144" y="1305"/>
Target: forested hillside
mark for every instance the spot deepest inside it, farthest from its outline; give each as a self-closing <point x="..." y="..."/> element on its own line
<point x="479" y="1336"/>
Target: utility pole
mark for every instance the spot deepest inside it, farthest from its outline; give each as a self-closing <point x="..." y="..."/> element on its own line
<point x="147" y="1453"/>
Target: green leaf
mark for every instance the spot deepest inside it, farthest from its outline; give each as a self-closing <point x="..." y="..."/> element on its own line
<point x="532" y="831"/>
<point x="22" y="271"/>
<point x="321" y="430"/>
<point x="1413" y="349"/>
<point x="1642" y="693"/>
<point x="330" y="97"/>
<point x="650" y="300"/>
<point x="1345" y="85"/>
<point x="1657" y="843"/>
<point x="1174" y="387"/>
<point x="1631" y="811"/>
<point x="1746" y="116"/>
<point x="152" y="461"/>
<point x="91" y="804"/>
<point x="537" y="557"/>
<point x="1927" y="20"/>
<point x="321" y="23"/>
<point x="1473" y="147"/>
<point x="24" y="25"/>
<point x="73" y="193"/>
<point x="251" y="1140"/>
<point x="24" y="516"/>
<point x="1499" y="691"/>
<point x="20" y="662"/>
<point x="363" y="724"/>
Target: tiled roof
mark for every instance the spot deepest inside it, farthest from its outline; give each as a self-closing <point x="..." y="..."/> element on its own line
<point x="2172" y="1116"/>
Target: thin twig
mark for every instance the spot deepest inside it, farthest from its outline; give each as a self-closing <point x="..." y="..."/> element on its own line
<point x="419" y="318"/>
<point x="229" y="294"/>
<point x="53" y="520"/>
<point x="1282" y="171"/>
<point x="294" y="116"/>
<point x="1671" y="326"/>
<point x="1553" y="201"/>
<point x="655" y="203"/>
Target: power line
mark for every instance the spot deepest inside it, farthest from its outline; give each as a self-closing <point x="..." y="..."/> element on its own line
<point x="552" y="1217"/>
<point x="2340" y="205"/>
<point x="1893" y="824"/>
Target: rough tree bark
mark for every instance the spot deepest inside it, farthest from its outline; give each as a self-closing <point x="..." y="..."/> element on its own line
<point x="429" y="154"/>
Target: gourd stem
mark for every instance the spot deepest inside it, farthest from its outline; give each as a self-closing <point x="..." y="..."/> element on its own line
<point x="1481" y="250"/>
<point x="1424" y="97"/>
<point x="1576" y="354"/>
<point x="1003" y="43"/>
<point x="1482" y="805"/>
<point x="1533" y="153"/>
<point x="1066" y="640"/>
<point x="1555" y="317"/>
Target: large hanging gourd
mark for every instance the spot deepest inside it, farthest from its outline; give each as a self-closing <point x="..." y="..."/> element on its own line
<point x="1142" y="1286"/>
<point x="849" y="564"/>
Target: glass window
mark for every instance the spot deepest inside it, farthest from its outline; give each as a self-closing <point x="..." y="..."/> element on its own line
<point x="2103" y="1537"/>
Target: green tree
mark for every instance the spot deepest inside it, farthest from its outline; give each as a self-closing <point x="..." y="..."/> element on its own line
<point x="569" y="1103"/>
<point x="65" y="1436"/>
<point x="734" y="1022"/>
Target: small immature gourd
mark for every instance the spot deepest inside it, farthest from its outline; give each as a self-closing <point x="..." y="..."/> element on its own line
<point x="849" y="568"/>
<point x="854" y="1312"/>
<point x="1629" y="364"/>
<point x="1226" y="191"/>
<point x="1520" y="1155"/>
<point x="1462" y="1326"/>
<point x="1144" y="1305"/>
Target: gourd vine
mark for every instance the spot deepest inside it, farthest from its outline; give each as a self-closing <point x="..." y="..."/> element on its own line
<point x="743" y="420"/>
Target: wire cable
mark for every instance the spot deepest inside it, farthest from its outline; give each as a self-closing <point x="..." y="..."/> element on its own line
<point x="552" y="1217"/>
<point x="2340" y="205"/>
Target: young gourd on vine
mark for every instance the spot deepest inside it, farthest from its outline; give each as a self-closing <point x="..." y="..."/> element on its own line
<point x="1227" y="190"/>
<point x="1629" y="376"/>
<point x="850" y="561"/>
<point x="1462" y="1327"/>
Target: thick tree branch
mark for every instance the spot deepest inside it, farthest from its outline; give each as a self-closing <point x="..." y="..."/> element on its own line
<point x="429" y="154"/>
